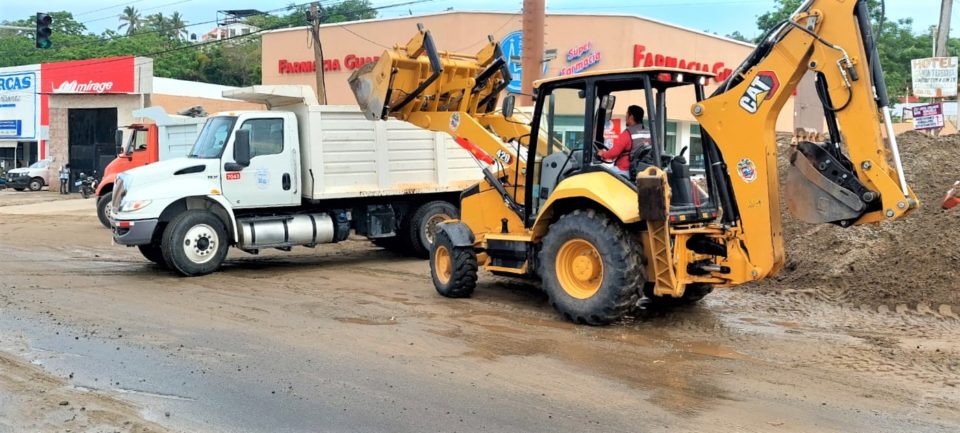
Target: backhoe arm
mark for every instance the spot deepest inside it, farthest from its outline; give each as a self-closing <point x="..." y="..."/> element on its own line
<point x="855" y="177"/>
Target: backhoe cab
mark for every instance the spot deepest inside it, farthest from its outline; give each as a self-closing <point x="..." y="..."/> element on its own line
<point x="669" y="232"/>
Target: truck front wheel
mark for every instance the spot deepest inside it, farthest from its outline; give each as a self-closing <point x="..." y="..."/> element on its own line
<point x="104" y="206"/>
<point x="195" y="243"/>
<point x="36" y="184"/>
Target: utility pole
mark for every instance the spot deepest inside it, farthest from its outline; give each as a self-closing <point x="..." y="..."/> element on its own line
<point x="532" y="57"/>
<point x="317" y="53"/>
<point x="943" y="30"/>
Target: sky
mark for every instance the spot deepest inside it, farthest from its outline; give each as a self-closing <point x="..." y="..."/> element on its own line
<point x="720" y="16"/>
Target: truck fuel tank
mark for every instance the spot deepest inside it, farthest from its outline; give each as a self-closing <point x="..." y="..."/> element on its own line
<point x="286" y="231"/>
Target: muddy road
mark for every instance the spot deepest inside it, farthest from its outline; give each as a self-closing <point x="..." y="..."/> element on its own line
<point x="352" y="338"/>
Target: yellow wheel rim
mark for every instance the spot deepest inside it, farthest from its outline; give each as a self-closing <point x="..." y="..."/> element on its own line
<point x="443" y="264"/>
<point x="579" y="268"/>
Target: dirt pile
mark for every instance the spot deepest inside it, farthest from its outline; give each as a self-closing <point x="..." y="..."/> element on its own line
<point x="914" y="260"/>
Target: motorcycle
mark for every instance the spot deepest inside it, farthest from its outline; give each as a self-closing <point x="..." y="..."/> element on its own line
<point x="87" y="185"/>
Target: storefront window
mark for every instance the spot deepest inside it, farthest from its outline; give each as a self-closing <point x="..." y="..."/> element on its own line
<point x="696" y="148"/>
<point x="670" y="140"/>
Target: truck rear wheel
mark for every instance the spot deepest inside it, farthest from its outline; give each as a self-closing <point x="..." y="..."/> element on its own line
<point x="104" y="207"/>
<point x="153" y="253"/>
<point x="195" y="243"/>
<point x="36" y="184"/>
<point x="421" y="229"/>
<point x="453" y="269"/>
<point x="592" y="269"/>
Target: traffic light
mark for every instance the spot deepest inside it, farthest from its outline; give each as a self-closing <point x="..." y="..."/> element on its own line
<point x="44" y="30"/>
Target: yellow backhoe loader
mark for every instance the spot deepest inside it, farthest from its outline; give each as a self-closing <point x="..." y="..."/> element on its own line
<point x="600" y="240"/>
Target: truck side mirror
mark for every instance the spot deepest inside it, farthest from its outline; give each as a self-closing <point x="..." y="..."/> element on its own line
<point x="509" y="103"/>
<point x="241" y="147"/>
<point x="118" y="140"/>
<point x="607" y="103"/>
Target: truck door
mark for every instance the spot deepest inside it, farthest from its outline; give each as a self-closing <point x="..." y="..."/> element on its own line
<point x="271" y="179"/>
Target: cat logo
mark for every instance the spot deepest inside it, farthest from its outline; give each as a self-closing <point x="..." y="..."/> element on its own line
<point x="762" y="88"/>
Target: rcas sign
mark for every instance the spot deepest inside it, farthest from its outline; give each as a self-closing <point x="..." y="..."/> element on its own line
<point x="350" y="62"/>
<point x="642" y="57"/>
<point x="19" y="102"/>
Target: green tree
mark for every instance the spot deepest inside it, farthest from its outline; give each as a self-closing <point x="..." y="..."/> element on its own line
<point x="178" y="27"/>
<point x="736" y="35"/>
<point x="130" y="19"/>
<point x="348" y="10"/>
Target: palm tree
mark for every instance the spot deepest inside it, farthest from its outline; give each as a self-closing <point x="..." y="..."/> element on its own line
<point x="130" y="18"/>
<point x="159" y="23"/>
<point x="178" y="27"/>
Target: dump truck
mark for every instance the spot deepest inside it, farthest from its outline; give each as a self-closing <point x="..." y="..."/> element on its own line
<point x="603" y="242"/>
<point x="169" y="136"/>
<point x="297" y="174"/>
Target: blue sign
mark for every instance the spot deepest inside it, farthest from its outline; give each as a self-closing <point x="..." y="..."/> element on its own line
<point x="19" y="100"/>
<point x="11" y="128"/>
<point x="512" y="46"/>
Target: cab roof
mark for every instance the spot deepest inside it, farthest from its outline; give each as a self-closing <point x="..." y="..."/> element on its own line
<point x="652" y="71"/>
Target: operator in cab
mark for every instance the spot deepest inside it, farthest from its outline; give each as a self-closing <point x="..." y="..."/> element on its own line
<point x="634" y="136"/>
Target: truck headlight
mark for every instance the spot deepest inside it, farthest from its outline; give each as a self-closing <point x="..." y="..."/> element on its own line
<point x="134" y="205"/>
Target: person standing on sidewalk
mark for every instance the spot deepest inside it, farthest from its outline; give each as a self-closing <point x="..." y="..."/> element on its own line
<point x="65" y="179"/>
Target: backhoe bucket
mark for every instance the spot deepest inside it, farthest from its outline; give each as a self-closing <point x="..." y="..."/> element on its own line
<point x="418" y="77"/>
<point x="820" y="189"/>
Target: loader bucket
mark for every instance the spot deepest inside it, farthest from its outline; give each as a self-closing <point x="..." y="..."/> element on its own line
<point x="371" y="89"/>
<point x="419" y="78"/>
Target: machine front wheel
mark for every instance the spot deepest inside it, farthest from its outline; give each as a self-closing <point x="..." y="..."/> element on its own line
<point x="592" y="269"/>
<point x="453" y="269"/>
<point x="153" y="253"/>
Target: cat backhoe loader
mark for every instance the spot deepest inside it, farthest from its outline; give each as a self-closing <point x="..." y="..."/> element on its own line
<point x="600" y="241"/>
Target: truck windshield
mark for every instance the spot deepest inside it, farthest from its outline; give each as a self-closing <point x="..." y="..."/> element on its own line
<point x="213" y="137"/>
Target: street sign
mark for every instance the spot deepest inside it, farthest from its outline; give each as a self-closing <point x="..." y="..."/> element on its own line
<point x="928" y="116"/>
<point x="934" y="77"/>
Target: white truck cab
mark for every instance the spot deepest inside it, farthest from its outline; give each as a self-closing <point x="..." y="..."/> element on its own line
<point x="298" y="174"/>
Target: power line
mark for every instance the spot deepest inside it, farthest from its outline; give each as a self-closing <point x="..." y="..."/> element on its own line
<point x="203" y="44"/>
<point x="126" y="3"/>
<point x="141" y="10"/>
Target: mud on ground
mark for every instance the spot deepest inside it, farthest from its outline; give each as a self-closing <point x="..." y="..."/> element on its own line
<point x="910" y="263"/>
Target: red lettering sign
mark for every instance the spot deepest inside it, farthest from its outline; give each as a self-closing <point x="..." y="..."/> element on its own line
<point x="102" y="75"/>
<point x="234" y="175"/>
<point x="350" y="62"/>
<point x="641" y="57"/>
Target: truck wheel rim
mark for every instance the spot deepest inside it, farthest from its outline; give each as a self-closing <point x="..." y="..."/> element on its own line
<point x="430" y="228"/>
<point x="200" y="243"/>
<point x="579" y="268"/>
<point x="108" y="209"/>
<point x="443" y="264"/>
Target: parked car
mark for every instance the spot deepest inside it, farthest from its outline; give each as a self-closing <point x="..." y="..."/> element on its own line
<point x="33" y="177"/>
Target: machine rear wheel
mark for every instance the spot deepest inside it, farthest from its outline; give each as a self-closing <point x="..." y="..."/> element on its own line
<point x="453" y="269"/>
<point x="592" y="269"/>
<point x="692" y="294"/>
